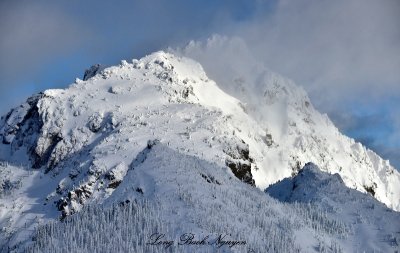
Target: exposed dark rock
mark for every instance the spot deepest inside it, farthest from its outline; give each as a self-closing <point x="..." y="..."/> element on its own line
<point x="78" y="195"/>
<point x="237" y="150"/>
<point x="92" y="71"/>
<point x="205" y="177"/>
<point x="95" y="122"/>
<point x="109" y="175"/>
<point x="239" y="160"/>
<point x="268" y="140"/>
<point x="62" y="205"/>
<point x="296" y="168"/>
<point x="126" y="202"/>
<point x="22" y="125"/>
<point x="244" y="152"/>
<point x="210" y="179"/>
<point x="188" y="90"/>
<point x="241" y="170"/>
<point x="139" y="190"/>
<point x="7" y="186"/>
<point x="370" y="189"/>
<point x="151" y="143"/>
<point x="114" y="184"/>
<point x="42" y="159"/>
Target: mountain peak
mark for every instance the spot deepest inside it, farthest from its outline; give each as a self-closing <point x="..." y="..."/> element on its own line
<point x="77" y="145"/>
<point x="309" y="185"/>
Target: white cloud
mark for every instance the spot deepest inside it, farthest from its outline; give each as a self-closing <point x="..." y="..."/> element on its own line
<point x="346" y="54"/>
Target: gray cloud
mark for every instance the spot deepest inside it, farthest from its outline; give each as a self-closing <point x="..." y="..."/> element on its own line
<point x="32" y="34"/>
<point x="347" y="49"/>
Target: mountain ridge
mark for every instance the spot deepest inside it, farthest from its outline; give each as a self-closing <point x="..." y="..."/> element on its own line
<point x="83" y="141"/>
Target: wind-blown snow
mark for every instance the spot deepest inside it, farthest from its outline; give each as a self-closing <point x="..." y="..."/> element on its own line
<point x="300" y="133"/>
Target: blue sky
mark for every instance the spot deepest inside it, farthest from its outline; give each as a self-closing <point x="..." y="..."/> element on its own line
<point x="346" y="54"/>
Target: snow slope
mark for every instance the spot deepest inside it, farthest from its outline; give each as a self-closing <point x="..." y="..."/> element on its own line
<point x="172" y="193"/>
<point x="329" y="193"/>
<point x="67" y="148"/>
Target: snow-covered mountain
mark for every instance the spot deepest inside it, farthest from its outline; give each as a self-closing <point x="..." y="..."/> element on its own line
<point x="158" y="132"/>
<point x="297" y="133"/>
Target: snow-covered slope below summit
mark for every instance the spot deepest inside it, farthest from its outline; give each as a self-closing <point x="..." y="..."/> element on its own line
<point x="72" y="147"/>
<point x="173" y="193"/>
<point x="295" y="131"/>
